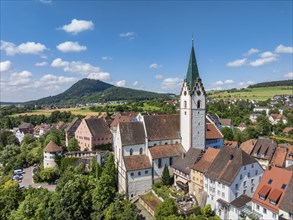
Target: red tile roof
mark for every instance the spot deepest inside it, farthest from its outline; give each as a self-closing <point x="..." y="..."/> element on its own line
<point x="279" y="157"/>
<point x="212" y="132"/>
<point x="137" y="162"/>
<point x="225" y="121"/>
<point x="204" y="163"/>
<point x="278" y="177"/>
<point x="232" y="144"/>
<point x="52" y="148"/>
<point x="275" y="195"/>
<point x="248" y="146"/>
<point x="287" y="129"/>
<point x="164" y="151"/>
<point x="278" y="116"/>
<point x="264" y="191"/>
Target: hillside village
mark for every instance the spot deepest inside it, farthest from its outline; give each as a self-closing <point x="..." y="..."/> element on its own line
<point x="199" y="161"/>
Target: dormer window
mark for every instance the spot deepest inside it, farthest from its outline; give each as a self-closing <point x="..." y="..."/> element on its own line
<point x="131" y="151"/>
<point x="283" y="186"/>
<point x="273" y="202"/>
<point x="270" y="181"/>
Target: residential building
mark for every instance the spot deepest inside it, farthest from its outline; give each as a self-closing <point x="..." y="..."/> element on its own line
<point x="233" y="144"/>
<point x="271" y="191"/>
<point x="214" y="137"/>
<point x="287" y="129"/>
<point x="198" y="170"/>
<point x="286" y="205"/>
<point x="261" y="109"/>
<point x="263" y="151"/>
<point x="92" y="132"/>
<point x="50" y="151"/>
<point x="248" y="146"/>
<point x="23" y="129"/>
<point x="289" y="156"/>
<point x="242" y="126"/>
<point x="276" y="118"/>
<point x="232" y="173"/>
<point x="215" y="119"/>
<point x="41" y="129"/>
<point x="71" y="129"/>
<point x="253" y="117"/>
<point x="227" y="122"/>
<point x="279" y="157"/>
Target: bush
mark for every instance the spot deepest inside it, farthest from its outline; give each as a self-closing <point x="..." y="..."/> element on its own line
<point x="65" y="162"/>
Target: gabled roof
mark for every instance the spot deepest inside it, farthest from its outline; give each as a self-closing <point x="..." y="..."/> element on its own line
<point x="25" y="125"/>
<point x="97" y="126"/>
<point x="232" y="144"/>
<point x="279" y="157"/>
<point x="122" y="117"/>
<point x="287" y="129"/>
<point x="270" y="187"/>
<point x="52" y="148"/>
<point x="74" y="124"/>
<point x="192" y="71"/>
<point x="264" y="148"/>
<point x="278" y="116"/>
<point x="185" y="161"/>
<point x="205" y="162"/>
<point x="242" y="125"/>
<point x="132" y="133"/>
<point x="241" y="201"/>
<point x="212" y="132"/>
<point x="137" y="162"/>
<point x="248" y="146"/>
<point x="162" y="127"/>
<point x="225" y="121"/>
<point x="165" y="151"/>
<point x="227" y="164"/>
<point x="287" y="202"/>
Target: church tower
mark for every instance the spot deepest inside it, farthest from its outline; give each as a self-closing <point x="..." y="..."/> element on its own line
<point x="192" y="108"/>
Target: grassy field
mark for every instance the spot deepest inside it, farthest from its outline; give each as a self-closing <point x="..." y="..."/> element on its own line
<point x="253" y="93"/>
<point x="77" y="111"/>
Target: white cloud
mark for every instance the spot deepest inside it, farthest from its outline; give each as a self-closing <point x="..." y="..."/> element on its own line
<point x="77" y="26"/>
<point x="5" y="66"/>
<point x="20" y="79"/>
<point x="265" y="58"/>
<point x="245" y="84"/>
<point x="219" y="83"/>
<point x="251" y="51"/>
<point x="229" y="81"/>
<point x="82" y="68"/>
<point x="135" y="83"/>
<point x="250" y="82"/>
<point x="289" y="75"/>
<point x="106" y="58"/>
<point x="25" y="48"/>
<point x="237" y="63"/>
<point x="41" y="64"/>
<point x="217" y="88"/>
<point x="171" y="83"/>
<point x="129" y="35"/>
<point x="99" y="76"/>
<point x="121" y="83"/>
<point x="283" y="49"/>
<point x="159" y="76"/>
<point x="52" y="79"/>
<point x="154" y="66"/>
<point x="70" y="46"/>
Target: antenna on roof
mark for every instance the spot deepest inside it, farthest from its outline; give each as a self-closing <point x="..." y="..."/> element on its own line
<point x="192" y="41"/>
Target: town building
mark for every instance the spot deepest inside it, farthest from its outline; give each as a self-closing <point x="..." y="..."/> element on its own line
<point x="233" y="144"/>
<point x="92" y="132"/>
<point x="232" y="173"/>
<point x="289" y="156"/>
<point x="242" y="126"/>
<point x="248" y="146"/>
<point x="71" y="129"/>
<point x="271" y="191"/>
<point x="253" y="117"/>
<point x="262" y="109"/>
<point x="23" y="129"/>
<point x="286" y="205"/>
<point x="276" y="118"/>
<point x="50" y="151"/>
<point x="227" y="122"/>
<point x="279" y="157"/>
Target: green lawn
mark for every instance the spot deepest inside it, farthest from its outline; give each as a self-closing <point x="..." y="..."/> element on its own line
<point x="253" y="93"/>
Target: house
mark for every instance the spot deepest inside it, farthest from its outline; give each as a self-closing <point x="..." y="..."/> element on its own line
<point x="182" y="166"/>
<point x="198" y="170"/>
<point x="214" y="137"/>
<point x="71" y="129"/>
<point x="226" y="122"/>
<point x="287" y="130"/>
<point x="232" y="173"/>
<point x="279" y="157"/>
<point x="215" y="119"/>
<point x="263" y="151"/>
<point x="253" y="117"/>
<point x="233" y="144"/>
<point x="248" y="146"/>
<point x="60" y="125"/>
<point x="286" y="205"/>
<point x="261" y="109"/>
<point x="41" y="129"/>
<point x="121" y="117"/>
<point x="23" y="129"/>
<point x="50" y="151"/>
<point x="271" y="191"/>
<point x="92" y="132"/>
<point x="242" y="126"/>
<point x="289" y="156"/>
<point x="276" y="118"/>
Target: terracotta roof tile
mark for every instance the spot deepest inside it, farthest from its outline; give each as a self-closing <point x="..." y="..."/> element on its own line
<point x="204" y="163"/>
<point x="122" y="117"/>
<point x="287" y="129"/>
<point x="52" y="147"/>
<point x="279" y="157"/>
<point x="287" y="202"/>
<point x="242" y="125"/>
<point x="164" y="151"/>
<point x="248" y="146"/>
<point x="278" y="116"/>
<point x="97" y="126"/>
<point x="275" y="195"/>
<point x="226" y="121"/>
<point x="137" y="162"/>
<point x="264" y="149"/>
<point x="212" y="132"/>
<point x="132" y="133"/>
<point x="264" y="191"/>
<point x="233" y="144"/>
<point x="274" y="178"/>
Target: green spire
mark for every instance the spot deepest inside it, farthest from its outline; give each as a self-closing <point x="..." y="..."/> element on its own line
<point x="192" y="71"/>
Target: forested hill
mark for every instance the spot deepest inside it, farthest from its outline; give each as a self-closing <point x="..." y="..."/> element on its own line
<point x="272" y="84"/>
<point x="91" y="91"/>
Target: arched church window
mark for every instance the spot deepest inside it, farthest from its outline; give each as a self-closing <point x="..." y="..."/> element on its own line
<point x="140" y="150"/>
<point x="185" y="104"/>
<point x="198" y="104"/>
<point x="131" y="151"/>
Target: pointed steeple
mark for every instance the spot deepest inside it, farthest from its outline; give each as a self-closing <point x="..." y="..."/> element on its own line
<point x="192" y="71"/>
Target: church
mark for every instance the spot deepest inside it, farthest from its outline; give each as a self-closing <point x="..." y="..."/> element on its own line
<point x="144" y="146"/>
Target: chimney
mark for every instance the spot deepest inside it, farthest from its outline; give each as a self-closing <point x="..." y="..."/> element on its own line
<point x="231" y="156"/>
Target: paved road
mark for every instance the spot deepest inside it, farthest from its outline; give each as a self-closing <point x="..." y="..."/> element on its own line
<point x="28" y="180"/>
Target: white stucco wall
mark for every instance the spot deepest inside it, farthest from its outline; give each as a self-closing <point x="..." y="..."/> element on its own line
<point x="138" y="184"/>
<point x="49" y="161"/>
<point x="268" y="214"/>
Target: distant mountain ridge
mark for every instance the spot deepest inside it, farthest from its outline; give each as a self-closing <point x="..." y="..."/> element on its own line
<point x="288" y="82"/>
<point x="91" y="91"/>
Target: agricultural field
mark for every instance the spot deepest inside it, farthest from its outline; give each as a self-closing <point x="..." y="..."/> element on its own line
<point x="260" y="94"/>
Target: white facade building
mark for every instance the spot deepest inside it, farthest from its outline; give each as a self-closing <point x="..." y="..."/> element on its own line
<point x="50" y="151"/>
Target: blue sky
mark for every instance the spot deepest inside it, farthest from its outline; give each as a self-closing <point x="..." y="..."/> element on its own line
<point x="46" y="45"/>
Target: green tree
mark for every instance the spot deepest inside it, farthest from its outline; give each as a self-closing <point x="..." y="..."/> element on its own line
<point x="166" y="176"/>
<point x="207" y="211"/>
<point x="165" y="209"/>
<point x="110" y="170"/>
<point x="73" y="145"/>
<point x="263" y="125"/>
<point x="7" y="138"/>
<point x="228" y="133"/>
